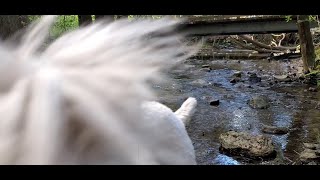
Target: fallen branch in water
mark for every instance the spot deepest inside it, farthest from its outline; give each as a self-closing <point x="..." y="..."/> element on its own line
<point x="230" y="54"/>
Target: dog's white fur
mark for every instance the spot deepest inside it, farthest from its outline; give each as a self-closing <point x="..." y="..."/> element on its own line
<point x="85" y="99"/>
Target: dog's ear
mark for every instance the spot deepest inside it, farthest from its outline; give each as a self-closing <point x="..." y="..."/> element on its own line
<point x="101" y="71"/>
<point x="187" y="109"/>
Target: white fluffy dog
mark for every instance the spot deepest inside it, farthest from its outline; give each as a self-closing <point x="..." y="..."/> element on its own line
<point x="79" y="100"/>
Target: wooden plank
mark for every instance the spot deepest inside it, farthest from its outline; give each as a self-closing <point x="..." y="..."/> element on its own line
<point x="233" y="18"/>
<point x="261" y="26"/>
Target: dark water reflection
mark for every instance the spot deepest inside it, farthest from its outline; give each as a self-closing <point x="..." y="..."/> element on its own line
<point x="290" y="107"/>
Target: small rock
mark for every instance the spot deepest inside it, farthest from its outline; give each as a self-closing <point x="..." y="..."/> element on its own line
<point x="282" y="78"/>
<point x="312" y="163"/>
<point x="228" y="96"/>
<point x="259" y="102"/>
<point x="311" y="79"/>
<point x="239" y="61"/>
<point x="301" y="77"/>
<point x="318" y="106"/>
<point x="274" y="129"/>
<point x="199" y="82"/>
<point x="306" y="72"/>
<point x="253" y="78"/>
<point x="306" y="90"/>
<point x="309" y="155"/>
<point x="269" y="59"/>
<point x="207" y="98"/>
<point x="312" y="146"/>
<point x="245" y="144"/>
<point x="206" y="69"/>
<point x="277" y="102"/>
<point x="237" y="74"/>
<point x="312" y="89"/>
<point x="235" y="80"/>
<point x="240" y="86"/>
<point x="205" y="66"/>
<point x="214" y="102"/>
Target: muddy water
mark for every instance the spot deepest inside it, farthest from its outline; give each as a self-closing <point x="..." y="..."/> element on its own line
<point x="291" y="107"/>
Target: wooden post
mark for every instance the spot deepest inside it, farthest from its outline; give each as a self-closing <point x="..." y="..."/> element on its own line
<point x="306" y="43"/>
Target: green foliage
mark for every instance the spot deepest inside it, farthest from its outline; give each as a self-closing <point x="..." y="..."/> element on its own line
<point x="311" y="18"/>
<point x="34" y="17"/>
<point x="317" y="52"/>
<point x="317" y="60"/>
<point x="66" y="23"/>
<point x="288" y="18"/>
<point x="133" y="17"/>
<point x="313" y="73"/>
<point x="63" y="24"/>
<point x="317" y="65"/>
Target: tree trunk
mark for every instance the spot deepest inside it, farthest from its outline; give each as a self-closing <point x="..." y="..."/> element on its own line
<point x="306" y="43"/>
<point x="106" y="17"/>
<point x="9" y="24"/>
<point x="84" y="19"/>
<point x="122" y="16"/>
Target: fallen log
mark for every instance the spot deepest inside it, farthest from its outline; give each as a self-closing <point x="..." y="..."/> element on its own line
<point x="262" y="45"/>
<point x="285" y="55"/>
<point x="242" y="54"/>
<point x="274" y="129"/>
<point x="253" y="48"/>
<point x="230" y="55"/>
